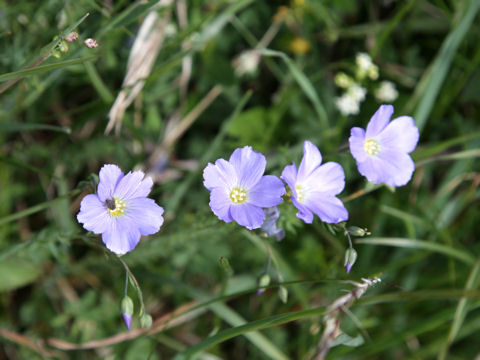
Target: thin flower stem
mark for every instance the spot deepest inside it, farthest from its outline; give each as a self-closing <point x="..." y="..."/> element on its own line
<point x="126" y="284"/>
<point x="135" y="282"/>
<point x="360" y="193"/>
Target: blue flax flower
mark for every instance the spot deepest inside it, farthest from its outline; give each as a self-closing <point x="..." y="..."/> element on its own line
<point x="120" y="210"/>
<point x="238" y="189"/>
<point x="314" y="187"/>
<point x="382" y="151"/>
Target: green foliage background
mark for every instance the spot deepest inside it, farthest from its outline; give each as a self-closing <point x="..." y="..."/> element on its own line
<point x="58" y="283"/>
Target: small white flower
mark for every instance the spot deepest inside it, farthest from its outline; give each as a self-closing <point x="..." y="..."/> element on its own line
<point x="357" y="92"/>
<point x="246" y="63"/>
<point x="364" y="61"/>
<point x="347" y="105"/>
<point x="386" y="93"/>
<point x="366" y="67"/>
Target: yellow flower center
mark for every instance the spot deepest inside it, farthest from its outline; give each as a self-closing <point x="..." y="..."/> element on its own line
<point x="116" y="207"/>
<point x="238" y="195"/>
<point x="371" y="147"/>
<point x="300" y="193"/>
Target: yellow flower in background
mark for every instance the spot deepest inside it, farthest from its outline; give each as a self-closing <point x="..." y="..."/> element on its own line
<point x="300" y="46"/>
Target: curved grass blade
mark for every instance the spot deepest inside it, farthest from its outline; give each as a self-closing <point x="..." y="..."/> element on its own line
<point x="420" y="245"/>
<point x="431" y="83"/>
<point x="36" y="208"/>
<point x="49" y="67"/>
<point x="251" y="326"/>
<point x="12" y="127"/>
<point x="461" y="311"/>
<point x="303" y="82"/>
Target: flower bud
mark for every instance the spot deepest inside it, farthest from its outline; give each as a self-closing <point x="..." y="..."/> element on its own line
<point x="356" y="231"/>
<point x="72" y="37"/>
<point x="146" y="320"/>
<point x="283" y="294"/>
<point x="350" y="258"/>
<point x="63" y="47"/>
<point x="127" y="311"/>
<point x="91" y="43"/>
<point x="262" y="282"/>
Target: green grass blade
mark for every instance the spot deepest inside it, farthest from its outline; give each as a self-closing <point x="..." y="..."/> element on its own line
<point x="251" y="326"/>
<point x="303" y="82"/>
<point x="255" y="337"/>
<point x="461" y="310"/>
<point x="36" y="208"/>
<point x="39" y="69"/>
<point x="420" y="245"/>
<point x="13" y="127"/>
<point x="182" y="188"/>
<point x="98" y="83"/>
<point x="431" y="83"/>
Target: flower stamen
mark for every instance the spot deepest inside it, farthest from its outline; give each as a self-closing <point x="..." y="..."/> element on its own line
<point x="116" y="207"/>
<point x="300" y="193"/>
<point x="371" y="147"/>
<point x="238" y="195"/>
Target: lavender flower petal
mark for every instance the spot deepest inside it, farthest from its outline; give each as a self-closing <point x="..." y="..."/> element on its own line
<point x="109" y="176"/>
<point x="401" y="134"/>
<point x="248" y="215"/>
<point x="238" y="189"/>
<point x="220" y="204"/>
<point x="329" y="177"/>
<point x="249" y="166"/>
<point x="382" y="152"/>
<point x="379" y="120"/>
<point x="303" y="213"/>
<point x="93" y="214"/>
<point x="314" y="190"/>
<point x="267" y="192"/>
<point x="134" y="185"/>
<point x="328" y="208"/>
<point x="310" y="161"/>
<point x="222" y="174"/>
<point x="120" y="210"/>
<point x="122" y="237"/>
<point x="146" y="214"/>
<point x="127" y="320"/>
<point x="357" y="144"/>
<point x="289" y="175"/>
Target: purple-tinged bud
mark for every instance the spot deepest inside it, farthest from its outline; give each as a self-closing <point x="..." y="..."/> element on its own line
<point x="91" y="43"/>
<point x="262" y="282"/>
<point x="127" y="311"/>
<point x="72" y="37"/>
<point x="350" y="258"/>
<point x="127" y="320"/>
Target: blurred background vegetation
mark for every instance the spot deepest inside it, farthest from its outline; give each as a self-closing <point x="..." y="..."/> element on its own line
<point x="204" y="78"/>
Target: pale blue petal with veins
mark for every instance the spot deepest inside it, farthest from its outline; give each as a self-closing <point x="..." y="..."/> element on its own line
<point x="120" y="210"/>
<point x="314" y="187"/>
<point x="239" y="190"/>
<point x="382" y="151"/>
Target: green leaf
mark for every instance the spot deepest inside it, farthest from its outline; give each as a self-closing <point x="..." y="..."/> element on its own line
<point x="15" y="273"/>
<point x="420" y="245"/>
